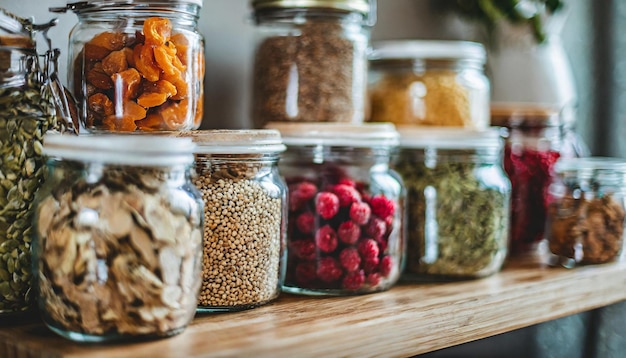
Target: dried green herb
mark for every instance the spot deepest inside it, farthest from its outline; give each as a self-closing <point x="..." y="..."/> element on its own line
<point x="457" y="217"/>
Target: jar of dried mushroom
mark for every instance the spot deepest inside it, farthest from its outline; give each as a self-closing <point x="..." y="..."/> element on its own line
<point x="346" y="208"/>
<point x="244" y="206"/>
<point x="429" y="83"/>
<point x="119" y="249"/>
<point x="137" y="65"/>
<point x="535" y="138"/>
<point x="310" y="63"/>
<point x="458" y="202"/>
<point x="585" y="223"/>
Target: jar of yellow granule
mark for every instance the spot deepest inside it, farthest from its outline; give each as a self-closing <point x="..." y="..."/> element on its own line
<point x="429" y="83"/>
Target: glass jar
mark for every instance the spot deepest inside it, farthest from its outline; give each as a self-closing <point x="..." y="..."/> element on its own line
<point x="346" y="208"/>
<point x="458" y="202"/>
<point x="245" y="214"/>
<point x="585" y="223"/>
<point x="536" y="138"/>
<point x="119" y="248"/>
<point x="310" y="63"/>
<point x="429" y="83"/>
<point x="25" y="116"/>
<point x="137" y="65"/>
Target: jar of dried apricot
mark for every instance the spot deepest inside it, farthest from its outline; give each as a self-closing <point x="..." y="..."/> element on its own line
<point x="137" y="65"/>
<point x="429" y="83"/>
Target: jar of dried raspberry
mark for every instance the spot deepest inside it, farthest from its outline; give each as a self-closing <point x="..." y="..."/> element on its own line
<point x="137" y="65"/>
<point x="346" y="208"/>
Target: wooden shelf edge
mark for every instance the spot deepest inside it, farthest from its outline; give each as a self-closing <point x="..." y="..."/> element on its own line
<point x="407" y="320"/>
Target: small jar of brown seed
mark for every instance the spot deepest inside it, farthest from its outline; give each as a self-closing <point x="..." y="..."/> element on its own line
<point x="245" y="222"/>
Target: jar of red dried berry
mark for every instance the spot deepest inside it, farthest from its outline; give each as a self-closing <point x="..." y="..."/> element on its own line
<point x="535" y="138"/>
<point x="310" y="63"/>
<point x="346" y="208"/>
<point x="137" y="65"/>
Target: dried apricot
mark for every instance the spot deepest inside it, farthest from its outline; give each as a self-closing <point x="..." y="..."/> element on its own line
<point x="145" y="64"/>
<point x="174" y="114"/>
<point x="124" y="118"/>
<point x="165" y="61"/>
<point x="115" y="62"/>
<point x="182" y="46"/>
<point x="99" y="79"/>
<point x="160" y="86"/>
<point x="100" y="104"/>
<point x="130" y="56"/>
<point x="148" y="100"/>
<point x="113" y="41"/>
<point x="157" y="30"/>
<point x="127" y="83"/>
<point x="152" y="122"/>
<point x="197" y="119"/>
<point x="179" y="83"/>
<point x="118" y="124"/>
<point x="95" y="52"/>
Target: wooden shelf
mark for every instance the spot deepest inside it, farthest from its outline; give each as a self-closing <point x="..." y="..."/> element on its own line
<point x="406" y="320"/>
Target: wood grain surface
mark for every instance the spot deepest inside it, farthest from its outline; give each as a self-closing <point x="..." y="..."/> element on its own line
<point x="409" y="319"/>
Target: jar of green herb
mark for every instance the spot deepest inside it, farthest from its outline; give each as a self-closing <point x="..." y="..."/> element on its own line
<point x="458" y="202"/>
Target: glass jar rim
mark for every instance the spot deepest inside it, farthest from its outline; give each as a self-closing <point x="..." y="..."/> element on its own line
<point x="235" y="141"/>
<point x="122" y="149"/>
<point x="449" y="138"/>
<point x="91" y="5"/>
<point x="514" y="115"/>
<point x="337" y="134"/>
<point x="427" y="49"/>
<point x="361" y="6"/>
<point x="590" y="164"/>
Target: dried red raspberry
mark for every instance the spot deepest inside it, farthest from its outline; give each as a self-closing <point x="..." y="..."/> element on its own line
<point x="328" y="269"/>
<point x="305" y="273"/>
<point x="326" y="239"/>
<point x="346" y="194"/>
<point x="327" y="205"/>
<point x="386" y="265"/>
<point x="350" y="259"/>
<point x="370" y="265"/>
<point x="306" y="222"/>
<point x="354" y="280"/>
<point x="382" y="244"/>
<point x="346" y="181"/>
<point x="303" y="249"/>
<point x="382" y="207"/>
<point x="373" y="279"/>
<point x="368" y="249"/>
<point x="389" y="223"/>
<point x="376" y="228"/>
<point x="360" y="213"/>
<point x="349" y="232"/>
<point x="300" y="193"/>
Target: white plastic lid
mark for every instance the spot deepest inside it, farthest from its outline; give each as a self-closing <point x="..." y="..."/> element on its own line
<point x="427" y="49"/>
<point x="590" y="164"/>
<point x="236" y="141"/>
<point x="449" y="138"/>
<point x="337" y="134"/>
<point x="141" y="150"/>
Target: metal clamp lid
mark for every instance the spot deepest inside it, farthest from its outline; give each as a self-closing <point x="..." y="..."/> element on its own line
<point x="365" y="7"/>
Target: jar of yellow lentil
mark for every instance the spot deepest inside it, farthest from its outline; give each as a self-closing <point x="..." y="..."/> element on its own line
<point x="429" y="83"/>
<point x="245" y="205"/>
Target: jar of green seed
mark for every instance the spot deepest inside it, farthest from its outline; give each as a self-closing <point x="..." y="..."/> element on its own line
<point x="458" y="202"/>
<point x="244" y="206"/>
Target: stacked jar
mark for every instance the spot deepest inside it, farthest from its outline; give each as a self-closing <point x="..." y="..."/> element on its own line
<point x="346" y="208"/>
<point x="536" y="137"/>
<point x="244" y="207"/>
<point x="137" y="65"/>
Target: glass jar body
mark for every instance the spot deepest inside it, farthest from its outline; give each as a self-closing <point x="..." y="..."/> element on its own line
<point x="137" y="68"/>
<point x="346" y="212"/>
<point x="310" y="65"/>
<point x="118" y="254"/>
<point x="429" y="93"/>
<point x="585" y="219"/>
<point x="244" y="236"/>
<point x="24" y="118"/>
<point x="458" y="213"/>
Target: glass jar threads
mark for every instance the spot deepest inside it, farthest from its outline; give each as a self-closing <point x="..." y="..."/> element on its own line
<point x="244" y="206"/>
<point x="119" y="248"/>
<point x="137" y="65"/>
<point x="346" y="208"/>
<point x="429" y="83"/>
<point x="458" y="202"/>
<point x="585" y="223"/>
<point x="535" y="138"/>
<point x="310" y="63"/>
